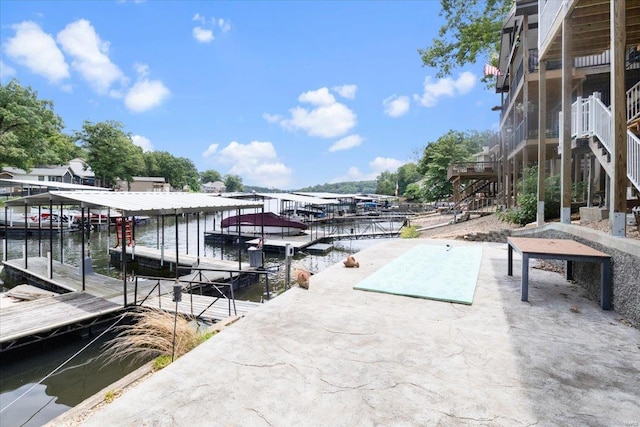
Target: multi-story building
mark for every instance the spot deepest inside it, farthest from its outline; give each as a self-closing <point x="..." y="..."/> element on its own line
<point x="569" y="81"/>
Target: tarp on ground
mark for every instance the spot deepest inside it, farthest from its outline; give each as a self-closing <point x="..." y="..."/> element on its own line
<point x="439" y="272"/>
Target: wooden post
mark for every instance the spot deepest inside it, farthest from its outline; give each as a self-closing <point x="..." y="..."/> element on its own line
<point x="542" y="138"/>
<point x="618" y="187"/>
<point x="565" y="157"/>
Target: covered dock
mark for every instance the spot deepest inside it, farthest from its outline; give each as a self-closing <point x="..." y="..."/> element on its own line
<point x="107" y="291"/>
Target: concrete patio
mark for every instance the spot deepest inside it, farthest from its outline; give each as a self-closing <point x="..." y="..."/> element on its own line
<point x="334" y="356"/>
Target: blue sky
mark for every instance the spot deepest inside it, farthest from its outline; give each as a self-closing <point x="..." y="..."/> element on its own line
<point x="284" y="94"/>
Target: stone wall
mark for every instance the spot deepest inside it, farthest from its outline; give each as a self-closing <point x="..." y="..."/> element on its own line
<point x="625" y="255"/>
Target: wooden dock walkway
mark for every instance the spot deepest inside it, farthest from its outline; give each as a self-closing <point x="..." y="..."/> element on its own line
<point x="155" y="258"/>
<point x="32" y="321"/>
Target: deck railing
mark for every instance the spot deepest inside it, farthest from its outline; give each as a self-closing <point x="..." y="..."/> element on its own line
<point x="472" y="168"/>
<point x="590" y="117"/>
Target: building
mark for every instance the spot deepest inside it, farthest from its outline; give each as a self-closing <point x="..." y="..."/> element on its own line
<point x="144" y="183"/>
<point x="569" y="86"/>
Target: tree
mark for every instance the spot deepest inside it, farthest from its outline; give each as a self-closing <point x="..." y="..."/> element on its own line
<point x="472" y="29"/>
<point x="413" y="193"/>
<point x="30" y="131"/>
<point x="233" y="183"/>
<point x="111" y="153"/>
<point x="386" y="183"/>
<point x="452" y="147"/>
<point x="407" y="174"/>
<point x="177" y="171"/>
<point x="210" y="175"/>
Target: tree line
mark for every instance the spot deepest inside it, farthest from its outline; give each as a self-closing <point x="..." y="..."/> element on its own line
<point x="31" y="135"/>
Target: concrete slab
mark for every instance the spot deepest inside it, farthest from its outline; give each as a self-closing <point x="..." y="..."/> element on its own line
<point x="336" y="356"/>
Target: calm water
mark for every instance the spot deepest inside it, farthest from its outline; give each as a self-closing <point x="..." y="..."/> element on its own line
<point x="20" y="374"/>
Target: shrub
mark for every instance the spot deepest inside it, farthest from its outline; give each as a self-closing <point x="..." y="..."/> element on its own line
<point x="527" y="209"/>
<point x="409" y="232"/>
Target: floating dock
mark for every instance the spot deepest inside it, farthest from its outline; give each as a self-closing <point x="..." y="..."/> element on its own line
<point x="101" y="301"/>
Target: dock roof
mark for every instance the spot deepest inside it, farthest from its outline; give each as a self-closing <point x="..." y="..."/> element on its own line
<point x="139" y="203"/>
<point x="298" y="198"/>
<point x="48" y="184"/>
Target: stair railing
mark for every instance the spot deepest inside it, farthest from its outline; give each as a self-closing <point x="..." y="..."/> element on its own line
<point x="633" y="103"/>
<point x="590" y="117"/>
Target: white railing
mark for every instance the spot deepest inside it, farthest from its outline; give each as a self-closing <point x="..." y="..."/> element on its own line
<point x="633" y="102"/>
<point x="548" y="12"/>
<point x="590" y="117"/>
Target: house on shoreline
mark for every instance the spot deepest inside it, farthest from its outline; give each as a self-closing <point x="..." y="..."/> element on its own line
<point x="569" y="83"/>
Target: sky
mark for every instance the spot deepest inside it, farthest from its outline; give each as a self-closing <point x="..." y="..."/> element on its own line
<point x="284" y="94"/>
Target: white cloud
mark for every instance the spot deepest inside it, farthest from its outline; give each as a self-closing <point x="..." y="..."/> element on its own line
<point x="320" y="97"/>
<point x="272" y="118"/>
<point x="432" y="90"/>
<point x="210" y="151"/>
<point x="199" y="18"/>
<point x="203" y="35"/>
<point x="142" y="142"/>
<point x="355" y="174"/>
<point x="381" y="164"/>
<point x="141" y="69"/>
<point x="256" y="162"/>
<point x="327" y="119"/>
<point x="146" y="94"/>
<point x="346" y="143"/>
<point x="6" y="71"/>
<point x="90" y="56"/>
<point x="396" y="106"/>
<point x="224" y="25"/>
<point x="37" y="51"/>
<point x="346" y="91"/>
<point x="376" y="167"/>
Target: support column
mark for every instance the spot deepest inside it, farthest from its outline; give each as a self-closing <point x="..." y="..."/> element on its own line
<point x="619" y="123"/>
<point x="542" y="138"/>
<point x="565" y="156"/>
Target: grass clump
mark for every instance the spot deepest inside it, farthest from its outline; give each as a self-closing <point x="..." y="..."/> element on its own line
<point x="409" y="232"/>
<point x="111" y="395"/>
<point x="150" y="335"/>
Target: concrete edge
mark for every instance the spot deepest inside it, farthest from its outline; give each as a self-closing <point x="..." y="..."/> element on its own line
<point x="77" y="414"/>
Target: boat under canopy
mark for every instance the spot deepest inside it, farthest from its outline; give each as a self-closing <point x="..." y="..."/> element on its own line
<point x="267" y="222"/>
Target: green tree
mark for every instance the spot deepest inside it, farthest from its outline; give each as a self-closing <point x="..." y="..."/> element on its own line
<point x="452" y="147"/>
<point x="29" y="129"/>
<point x="413" y="193"/>
<point x="386" y="183"/>
<point x="233" y="183"/>
<point x="111" y="153"/>
<point x="210" y="175"/>
<point x="407" y="174"/>
<point x="472" y="29"/>
<point x="177" y="171"/>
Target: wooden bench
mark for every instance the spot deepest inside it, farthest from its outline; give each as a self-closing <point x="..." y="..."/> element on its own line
<point x="562" y="249"/>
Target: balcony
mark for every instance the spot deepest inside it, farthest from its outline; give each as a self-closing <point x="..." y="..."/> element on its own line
<point x="472" y="170"/>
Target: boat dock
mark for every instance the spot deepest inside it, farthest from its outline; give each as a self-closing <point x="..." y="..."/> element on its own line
<point x="101" y="300"/>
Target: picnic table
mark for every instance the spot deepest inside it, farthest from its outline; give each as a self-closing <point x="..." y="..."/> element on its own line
<point x="561" y="249"/>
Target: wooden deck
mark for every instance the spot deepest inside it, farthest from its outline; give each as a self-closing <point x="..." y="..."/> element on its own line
<point x="155" y="257"/>
<point x="32" y="321"/>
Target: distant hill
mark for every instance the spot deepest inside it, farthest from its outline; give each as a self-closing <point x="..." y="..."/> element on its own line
<point x="339" y="187"/>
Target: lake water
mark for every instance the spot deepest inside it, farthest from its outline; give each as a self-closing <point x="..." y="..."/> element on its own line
<point x="26" y="400"/>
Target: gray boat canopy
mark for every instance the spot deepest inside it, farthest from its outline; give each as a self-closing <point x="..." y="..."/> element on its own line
<point x="138" y="203"/>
